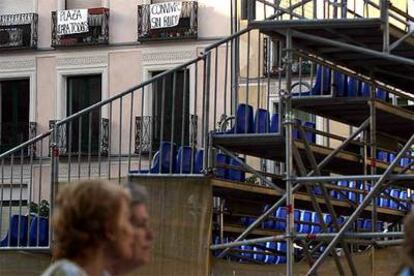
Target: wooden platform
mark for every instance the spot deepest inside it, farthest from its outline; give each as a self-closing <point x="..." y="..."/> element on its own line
<point x="365" y="33"/>
<point x="392" y="120"/>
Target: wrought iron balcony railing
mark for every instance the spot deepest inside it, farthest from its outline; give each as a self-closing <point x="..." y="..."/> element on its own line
<point x="13" y="134"/>
<point x="98" y="30"/>
<point x="187" y="27"/>
<point x="18" y="31"/>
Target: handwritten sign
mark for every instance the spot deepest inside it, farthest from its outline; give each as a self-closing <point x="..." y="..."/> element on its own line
<point x="72" y="22"/>
<point x="165" y="15"/>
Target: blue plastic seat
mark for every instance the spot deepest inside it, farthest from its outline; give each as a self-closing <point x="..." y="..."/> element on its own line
<point x="280" y="223"/>
<point x="269" y="258"/>
<point x="165" y="163"/>
<point x="316" y="191"/>
<point x="367" y="224"/>
<point x="274" y="124"/>
<point x="17" y="232"/>
<point x="352" y="196"/>
<point x="403" y="196"/>
<point x="198" y="161"/>
<point x="185" y="160"/>
<point x="296" y="132"/>
<point x="39" y="232"/>
<point x="394" y="193"/>
<point x="327" y="218"/>
<point x="221" y="159"/>
<point x="381" y="94"/>
<point x="353" y="87"/>
<point x="310" y="136"/>
<point x="342" y="183"/>
<point x="248" y="255"/>
<point x="359" y="223"/>
<point x="246" y="221"/>
<point x="316" y="223"/>
<point x="322" y="82"/>
<point x="391" y="157"/>
<point x="236" y="175"/>
<point x="281" y="249"/>
<point x="267" y="223"/>
<point x="365" y="89"/>
<point x="405" y="161"/>
<point x="383" y="202"/>
<point x="340" y="83"/>
<point x="244" y="119"/>
<point x="341" y="220"/>
<point x="261" y="121"/>
<point x="382" y="156"/>
<point x="305" y="221"/>
<point x="258" y="253"/>
<point x="296" y="216"/>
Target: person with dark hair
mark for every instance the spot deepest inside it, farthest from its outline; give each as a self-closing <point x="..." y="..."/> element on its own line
<point x="143" y="233"/>
<point x="91" y="228"/>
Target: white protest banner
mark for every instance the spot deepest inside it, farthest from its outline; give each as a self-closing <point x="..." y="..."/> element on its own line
<point x="165" y="15"/>
<point x="72" y="22"/>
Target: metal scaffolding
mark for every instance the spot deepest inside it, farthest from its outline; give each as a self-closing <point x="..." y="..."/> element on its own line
<point x="309" y="39"/>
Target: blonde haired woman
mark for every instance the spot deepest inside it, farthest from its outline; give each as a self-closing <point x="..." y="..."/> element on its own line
<point x="91" y="227"/>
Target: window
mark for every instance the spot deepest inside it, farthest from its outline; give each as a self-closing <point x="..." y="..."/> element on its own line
<point x="15" y="7"/>
<point x="14" y="113"/>
<point x="82" y="92"/>
<point x="82" y="4"/>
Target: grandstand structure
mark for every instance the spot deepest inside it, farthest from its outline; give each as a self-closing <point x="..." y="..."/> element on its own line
<point x="244" y="177"/>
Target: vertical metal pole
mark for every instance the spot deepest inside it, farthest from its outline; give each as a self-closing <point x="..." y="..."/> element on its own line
<point x="386" y="27"/>
<point x="109" y="140"/>
<point x="207" y="65"/>
<point x="89" y="142"/>
<point x="131" y="116"/>
<point x="120" y="139"/>
<point x="373" y="154"/>
<point x="174" y="92"/>
<point x="79" y="146"/>
<point x="289" y="156"/>
<point x="141" y="134"/>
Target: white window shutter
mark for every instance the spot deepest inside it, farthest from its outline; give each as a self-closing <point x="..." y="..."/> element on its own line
<point x="83" y="4"/>
<point x="16" y="6"/>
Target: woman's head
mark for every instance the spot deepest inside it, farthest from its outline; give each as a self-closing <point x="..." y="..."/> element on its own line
<point x="92" y="215"/>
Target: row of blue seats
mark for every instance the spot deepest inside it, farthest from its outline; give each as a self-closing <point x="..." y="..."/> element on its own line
<point x="268" y="253"/>
<point x="388" y="157"/>
<point x="307" y="222"/>
<point x="185" y="160"/>
<point x="188" y="160"/>
<point x="343" y="85"/>
<point x="22" y="234"/>
<point x="262" y="123"/>
<point x="383" y="202"/>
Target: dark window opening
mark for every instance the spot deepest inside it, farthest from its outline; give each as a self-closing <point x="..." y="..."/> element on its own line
<point x="14" y="117"/>
<point x="180" y="110"/>
<point x="82" y="92"/>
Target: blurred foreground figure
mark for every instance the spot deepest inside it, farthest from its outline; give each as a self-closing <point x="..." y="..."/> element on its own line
<point x="143" y="233"/>
<point x="408" y="245"/>
<point x="92" y="228"/>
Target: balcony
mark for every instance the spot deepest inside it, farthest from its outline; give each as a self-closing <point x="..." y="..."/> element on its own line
<point x="151" y="24"/>
<point x="18" y="31"/>
<point x="13" y="134"/>
<point x="97" y="32"/>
